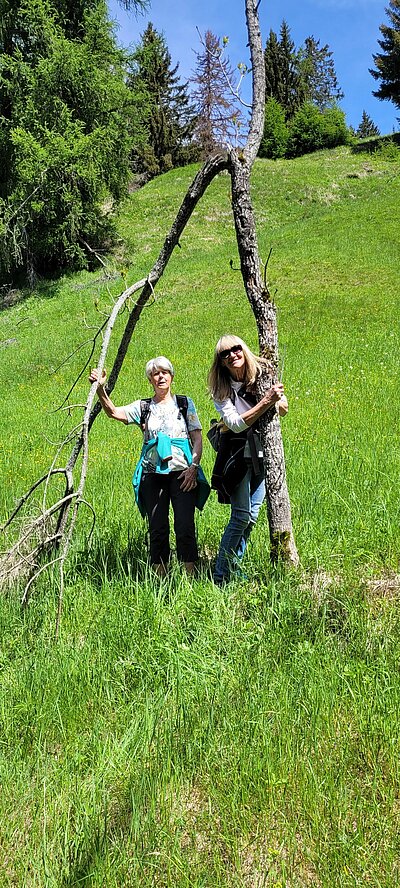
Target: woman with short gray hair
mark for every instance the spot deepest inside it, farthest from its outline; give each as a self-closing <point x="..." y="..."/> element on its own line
<point x="168" y="471"/>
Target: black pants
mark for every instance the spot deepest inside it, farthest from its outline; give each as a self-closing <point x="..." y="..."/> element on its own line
<point x="157" y="492"/>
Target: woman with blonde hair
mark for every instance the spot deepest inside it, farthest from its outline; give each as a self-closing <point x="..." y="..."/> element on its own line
<point x="232" y="382"/>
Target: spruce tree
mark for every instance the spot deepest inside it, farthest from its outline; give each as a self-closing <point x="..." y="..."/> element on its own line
<point x="388" y="61"/>
<point x="281" y="71"/>
<point x="218" y="113"/>
<point x="319" y="83"/>
<point x="165" y="106"/>
<point x="289" y="62"/>
<point x="273" y="72"/>
<point x="297" y="76"/>
<point x="366" y="127"/>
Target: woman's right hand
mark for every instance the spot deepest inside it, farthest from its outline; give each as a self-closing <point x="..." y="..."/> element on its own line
<point x="94" y="376"/>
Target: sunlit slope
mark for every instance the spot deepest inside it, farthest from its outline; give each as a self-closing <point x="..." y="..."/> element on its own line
<point x="332" y="220"/>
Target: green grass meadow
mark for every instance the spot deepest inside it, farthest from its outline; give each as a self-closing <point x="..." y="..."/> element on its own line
<point x="178" y="734"/>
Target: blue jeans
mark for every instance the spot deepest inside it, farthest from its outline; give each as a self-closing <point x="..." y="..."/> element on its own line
<point x="246" y="502"/>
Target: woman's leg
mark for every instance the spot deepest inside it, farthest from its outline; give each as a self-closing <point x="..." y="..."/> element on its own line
<point x="184" y="504"/>
<point x="257" y="496"/>
<point x="235" y="530"/>
<point x="154" y="490"/>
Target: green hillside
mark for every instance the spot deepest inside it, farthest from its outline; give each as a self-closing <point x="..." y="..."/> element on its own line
<point x="179" y="734"/>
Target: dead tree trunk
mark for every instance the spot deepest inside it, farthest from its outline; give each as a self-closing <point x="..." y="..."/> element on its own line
<point x="277" y="496"/>
<point x="205" y="176"/>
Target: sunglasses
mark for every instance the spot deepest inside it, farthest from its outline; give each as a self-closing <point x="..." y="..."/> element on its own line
<point x="234" y="350"/>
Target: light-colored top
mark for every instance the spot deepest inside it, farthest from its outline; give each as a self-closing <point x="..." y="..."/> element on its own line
<point x="163" y="446"/>
<point x="231" y="412"/>
<point x="165" y="417"/>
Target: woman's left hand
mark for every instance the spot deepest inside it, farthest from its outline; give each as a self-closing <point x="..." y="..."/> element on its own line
<point x="282" y="406"/>
<point x="188" y="478"/>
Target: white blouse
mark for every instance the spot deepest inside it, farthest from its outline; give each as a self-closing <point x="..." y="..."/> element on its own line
<point x="231" y="412"/>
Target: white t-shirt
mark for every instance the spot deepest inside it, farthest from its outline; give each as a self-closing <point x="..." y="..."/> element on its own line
<point x="165" y="417"/>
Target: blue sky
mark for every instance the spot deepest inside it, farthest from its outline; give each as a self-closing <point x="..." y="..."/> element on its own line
<point x="349" y="27"/>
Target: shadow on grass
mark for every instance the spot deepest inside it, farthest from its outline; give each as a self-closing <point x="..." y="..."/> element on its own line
<point x="374" y="143"/>
<point x="114" y="556"/>
<point x="110" y="557"/>
<point x="51" y="286"/>
<point x="86" y="858"/>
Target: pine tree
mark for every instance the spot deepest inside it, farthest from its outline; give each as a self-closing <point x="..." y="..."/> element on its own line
<point x="366" y="127"/>
<point x="273" y="72"/>
<point x="218" y="114"/>
<point x="297" y="76"/>
<point x="388" y="61"/>
<point x="71" y="13"/>
<point x="289" y="61"/>
<point x="319" y="83"/>
<point x="166" y="109"/>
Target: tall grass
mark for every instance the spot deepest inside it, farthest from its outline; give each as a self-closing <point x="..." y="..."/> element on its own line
<point x="179" y="734"/>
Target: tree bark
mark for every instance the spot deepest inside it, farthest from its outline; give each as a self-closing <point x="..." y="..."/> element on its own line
<point x="264" y="310"/>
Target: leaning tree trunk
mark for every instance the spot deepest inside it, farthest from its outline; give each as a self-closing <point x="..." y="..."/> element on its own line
<point x="264" y="310"/>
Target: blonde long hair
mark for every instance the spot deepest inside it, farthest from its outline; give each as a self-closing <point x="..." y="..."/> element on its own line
<point x="219" y="378"/>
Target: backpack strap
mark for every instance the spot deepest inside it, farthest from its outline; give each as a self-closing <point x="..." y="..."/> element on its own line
<point x="144" y="416"/>
<point x="182" y="403"/>
<point x="251" y="399"/>
<point x="248" y="396"/>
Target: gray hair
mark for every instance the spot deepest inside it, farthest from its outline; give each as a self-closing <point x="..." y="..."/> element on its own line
<point x="160" y="363"/>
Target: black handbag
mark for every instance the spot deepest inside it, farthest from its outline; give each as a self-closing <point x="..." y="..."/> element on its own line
<point x="214" y="433"/>
<point x="231" y="464"/>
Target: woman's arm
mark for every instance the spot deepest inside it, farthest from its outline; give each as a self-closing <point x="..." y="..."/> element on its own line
<point x="282" y="406"/>
<point x="237" y="422"/>
<point x="271" y="397"/>
<point x="109" y="408"/>
<point x="196" y="438"/>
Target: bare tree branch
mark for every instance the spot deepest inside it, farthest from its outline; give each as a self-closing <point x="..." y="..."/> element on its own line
<point x="217" y="58"/>
<point x="28" y="494"/>
<point x="92" y="251"/>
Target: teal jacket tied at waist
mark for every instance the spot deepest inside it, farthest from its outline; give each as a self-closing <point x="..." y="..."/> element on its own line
<point x="163" y="444"/>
